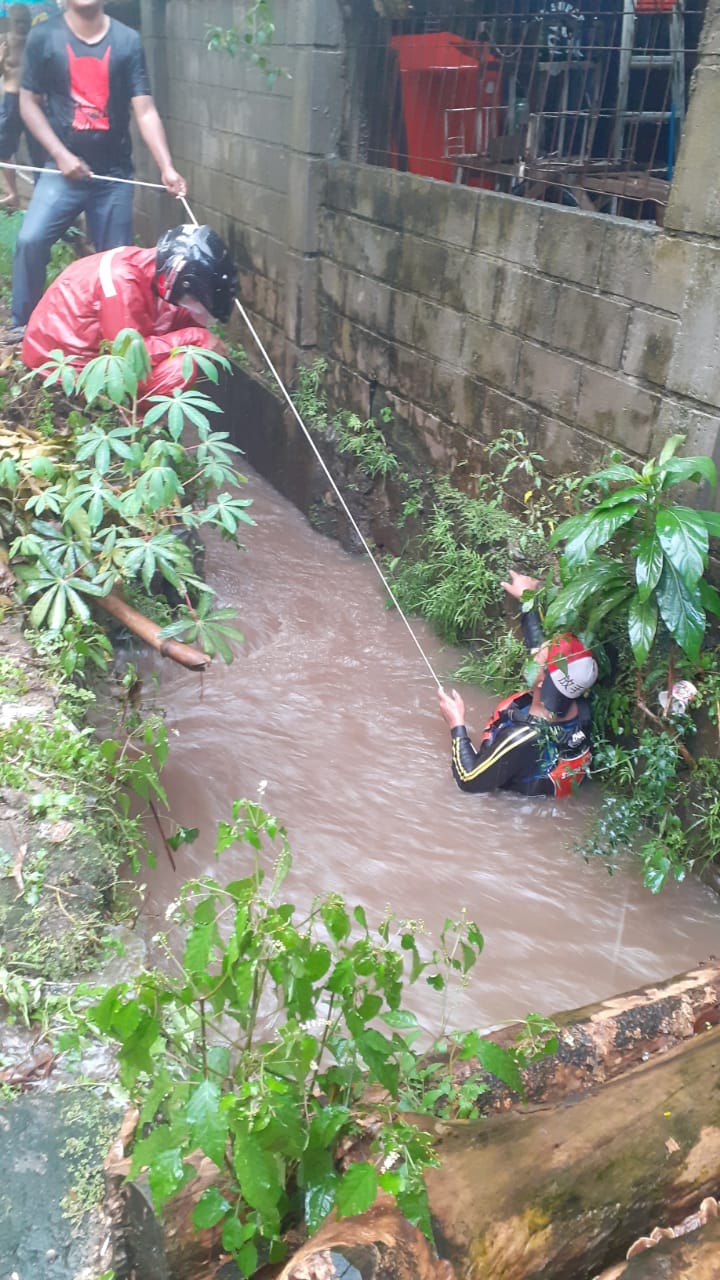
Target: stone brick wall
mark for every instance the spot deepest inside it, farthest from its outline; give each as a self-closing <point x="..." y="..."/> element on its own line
<point x="465" y="310"/>
<point x="252" y="154"/>
<point x="476" y="311"/>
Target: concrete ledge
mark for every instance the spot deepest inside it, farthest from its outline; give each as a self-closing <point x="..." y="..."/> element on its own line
<point x="507" y="228"/>
<point x="570" y="244"/>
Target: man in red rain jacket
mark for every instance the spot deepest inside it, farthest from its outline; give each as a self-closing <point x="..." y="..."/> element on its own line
<point x="169" y="294"/>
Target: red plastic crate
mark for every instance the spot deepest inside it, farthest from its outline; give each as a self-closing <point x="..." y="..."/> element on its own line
<point x="655" y="6"/>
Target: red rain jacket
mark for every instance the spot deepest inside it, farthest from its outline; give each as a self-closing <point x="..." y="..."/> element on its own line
<point x="94" y="298"/>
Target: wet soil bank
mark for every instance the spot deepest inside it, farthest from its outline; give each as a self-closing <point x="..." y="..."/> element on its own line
<point x="57" y="897"/>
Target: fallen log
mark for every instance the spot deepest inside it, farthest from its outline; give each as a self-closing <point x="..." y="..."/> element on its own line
<point x="372" y="1246"/>
<point x="561" y="1191"/>
<point x="149" y="631"/>
<point x="601" y="1041"/>
<point x="692" y="1257"/>
<point x="566" y="1187"/>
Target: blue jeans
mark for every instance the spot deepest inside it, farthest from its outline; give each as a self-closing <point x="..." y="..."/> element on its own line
<point x="55" y="204"/>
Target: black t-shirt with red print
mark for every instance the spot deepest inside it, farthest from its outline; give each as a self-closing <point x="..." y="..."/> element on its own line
<point x="87" y="88"/>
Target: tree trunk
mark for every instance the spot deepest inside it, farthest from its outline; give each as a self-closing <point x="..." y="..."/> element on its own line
<point x="372" y="1246"/>
<point x="562" y="1190"/>
<point x="694" y="1257"/>
<point x="601" y="1041"/>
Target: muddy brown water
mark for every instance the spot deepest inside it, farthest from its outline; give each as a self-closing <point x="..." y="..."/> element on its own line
<point x="329" y="711"/>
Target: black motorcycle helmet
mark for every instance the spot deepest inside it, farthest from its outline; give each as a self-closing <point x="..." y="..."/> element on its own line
<point x="195" y="260"/>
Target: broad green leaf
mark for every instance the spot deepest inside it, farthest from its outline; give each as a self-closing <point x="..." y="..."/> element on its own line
<point x="318" y="962"/>
<point x="247" y="1258"/>
<point x="499" y="1062"/>
<point x="210" y="1208"/>
<point x="261" y="1175"/>
<point x="605" y="605"/>
<point x="77" y="604"/>
<point x="81" y="527"/>
<point x="58" y="613"/>
<point x="618" y="473"/>
<point x="165" y="1175"/>
<point x="709" y="598"/>
<point x="400" y="1019"/>
<point x="198" y="948"/>
<point x="648" y="565"/>
<point x="683" y="537"/>
<point x="235" y="1235"/>
<point x="669" y="449"/>
<point x="568" y="529"/>
<point x="336" y="919"/>
<point x="681" y="610"/>
<point x="700" y="468"/>
<point x="319" y="1200"/>
<point x="326" y="1124"/>
<point x="158" y="1091"/>
<point x="208" y="1121"/>
<point x="598" y="529"/>
<point x="585" y="584"/>
<point x="637" y="493"/>
<point x="642" y="626"/>
<point x="357" y="1189"/>
<point x="711" y="520"/>
<point x="413" y="1204"/>
<point x="360" y="917"/>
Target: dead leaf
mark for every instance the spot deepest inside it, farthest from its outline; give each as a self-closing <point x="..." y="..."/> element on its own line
<point x="18" y="866"/>
<point x="672" y="1146"/>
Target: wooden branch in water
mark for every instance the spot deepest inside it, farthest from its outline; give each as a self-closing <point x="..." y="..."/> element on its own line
<point x="149" y="631"/>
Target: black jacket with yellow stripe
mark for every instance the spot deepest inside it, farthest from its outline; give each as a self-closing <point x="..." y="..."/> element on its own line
<point x="522" y="753"/>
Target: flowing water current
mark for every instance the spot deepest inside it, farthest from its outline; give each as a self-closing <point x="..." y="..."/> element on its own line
<point x="329" y="712"/>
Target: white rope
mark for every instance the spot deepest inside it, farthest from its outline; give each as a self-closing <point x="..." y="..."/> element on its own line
<point x="293" y="408"/>
<point x="158" y="186"/>
<point x="99" y="177"/>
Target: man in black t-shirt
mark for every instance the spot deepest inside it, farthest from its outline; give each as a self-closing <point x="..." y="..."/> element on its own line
<point x="83" y="74"/>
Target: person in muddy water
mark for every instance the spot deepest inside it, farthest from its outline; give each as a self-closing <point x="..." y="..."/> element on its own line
<point x="169" y="294"/>
<point x="536" y="742"/>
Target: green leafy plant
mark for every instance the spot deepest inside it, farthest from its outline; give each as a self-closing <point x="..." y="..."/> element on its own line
<point x="361" y="438"/>
<point x="453" y="573"/>
<point x="252" y="40"/>
<point x="211" y="629"/>
<point x="118" y="492"/>
<point x="282" y="1040"/>
<point x="639" y="554"/>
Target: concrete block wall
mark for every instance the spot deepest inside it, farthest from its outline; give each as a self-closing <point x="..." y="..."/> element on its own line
<point x="476" y="311"/>
<point x="467" y="310"/>
<point x="251" y="153"/>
